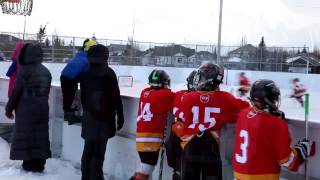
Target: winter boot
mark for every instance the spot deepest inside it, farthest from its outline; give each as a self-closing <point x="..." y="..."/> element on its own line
<point x="71" y="118"/>
<point x="176" y="175"/>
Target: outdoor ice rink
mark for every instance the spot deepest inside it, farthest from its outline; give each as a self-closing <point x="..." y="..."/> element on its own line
<point x="132" y="80"/>
<point x="290" y="106"/>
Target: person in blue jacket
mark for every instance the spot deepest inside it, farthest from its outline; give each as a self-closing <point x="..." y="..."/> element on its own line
<point x="69" y="78"/>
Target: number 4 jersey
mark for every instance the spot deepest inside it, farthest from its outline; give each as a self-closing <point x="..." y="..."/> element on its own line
<point x="152" y="117"/>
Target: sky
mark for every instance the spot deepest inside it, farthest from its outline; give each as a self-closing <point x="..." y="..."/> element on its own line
<point x="281" y="22"/>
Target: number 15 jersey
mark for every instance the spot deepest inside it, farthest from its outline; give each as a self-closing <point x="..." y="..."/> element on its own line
<point x="209" y="110"/>
<point x="152" y="117"/>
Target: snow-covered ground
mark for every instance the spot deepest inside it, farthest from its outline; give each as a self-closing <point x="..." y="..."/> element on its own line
<point x="56" y="169"/>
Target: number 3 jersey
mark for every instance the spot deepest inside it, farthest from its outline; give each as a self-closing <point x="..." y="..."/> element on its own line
<point x="262" y="145"/>
<point x="209" y="110"/>
<point x="152" y="117"/>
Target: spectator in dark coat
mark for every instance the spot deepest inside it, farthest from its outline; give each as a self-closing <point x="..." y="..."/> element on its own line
<point x="29" y="101"/>
<point x="102" y="111"/>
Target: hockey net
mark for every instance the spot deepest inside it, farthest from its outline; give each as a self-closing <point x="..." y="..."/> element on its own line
<point x="125" y="81"/>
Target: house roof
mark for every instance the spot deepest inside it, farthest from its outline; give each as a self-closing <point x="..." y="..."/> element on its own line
<point x="205" y="53"/>
<point x="248" y="47"/>
<point x="5" y="38"/>
<point x="117" y="47"/>
<point x="312" y="60"/>
<point x="171" y="50"/>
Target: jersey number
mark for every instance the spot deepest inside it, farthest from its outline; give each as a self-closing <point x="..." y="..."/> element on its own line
<point x="244" y="148"/>
<point x="146" y="113"/>
<point x="207" y="116"/>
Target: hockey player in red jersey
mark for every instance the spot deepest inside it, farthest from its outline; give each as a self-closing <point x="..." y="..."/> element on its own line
<point x="298" y="91"/>
<point x="244" y="84"/>
<point x="155" y="102"/>
<point x="205" y="111"/>
<point x="262" y="144"/>
<point x="173" y="148"/>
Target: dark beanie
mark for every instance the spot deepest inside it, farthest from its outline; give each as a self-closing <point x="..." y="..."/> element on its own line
<point x="98" y="54"/>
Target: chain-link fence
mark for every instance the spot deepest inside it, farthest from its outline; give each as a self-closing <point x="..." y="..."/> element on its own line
<point x="60" y="49"/>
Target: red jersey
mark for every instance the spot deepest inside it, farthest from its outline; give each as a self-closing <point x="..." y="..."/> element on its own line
<point x="178" y="102"/>
<point x="298" y="89"/>
<point x="152" y="117"/>
<point x="209" y="110"/>
<point x="244" y="81"/>
<point x="262" y="145"/>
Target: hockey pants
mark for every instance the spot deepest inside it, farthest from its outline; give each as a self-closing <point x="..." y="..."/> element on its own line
<point x="201" y="158"/>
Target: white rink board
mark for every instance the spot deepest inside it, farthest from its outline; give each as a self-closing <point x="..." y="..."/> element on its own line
<point x="121" y="150"/>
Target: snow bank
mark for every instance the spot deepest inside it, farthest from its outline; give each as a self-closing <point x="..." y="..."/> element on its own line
<point x="55" y="169"/>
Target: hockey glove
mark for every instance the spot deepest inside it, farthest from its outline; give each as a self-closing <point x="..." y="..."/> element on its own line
<point x="305" y="148"/>
<point x="178" y="128"/>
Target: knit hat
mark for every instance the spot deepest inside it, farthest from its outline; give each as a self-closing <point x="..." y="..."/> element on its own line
<point x="98" y="54"/>
<point x="87" y="44"/>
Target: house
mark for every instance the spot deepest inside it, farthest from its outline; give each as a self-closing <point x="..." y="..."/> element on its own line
<point x="117" y="49"/>
<point x="246" y="52"/>
<point x="124" y="54"/>
<point x="303" y="63"/>
<point x="201" y="56"/>
<point x="173" y="55"/>
<point x="235" y="63"/>
<point x="8" y="39"/>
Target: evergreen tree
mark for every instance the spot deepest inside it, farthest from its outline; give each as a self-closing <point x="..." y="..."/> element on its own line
<point x="215" y="54"/>
<point x="304" y="51"/>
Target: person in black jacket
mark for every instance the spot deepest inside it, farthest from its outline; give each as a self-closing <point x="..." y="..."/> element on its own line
<point x="102" y="111"/>
<point x="29" y="101"/>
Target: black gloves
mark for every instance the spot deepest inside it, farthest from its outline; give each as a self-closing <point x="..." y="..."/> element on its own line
<point x="305" y="148"/>
<point x="71" y="118"/>
<point x="9" y="115"/>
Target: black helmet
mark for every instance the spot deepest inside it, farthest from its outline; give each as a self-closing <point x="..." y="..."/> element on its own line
<point x="296" y="80"/>
<point x="190" y="80"/>
<point x="159" y="79"/>
<point x="208" y="77"/>
<point x="265" y="95"/>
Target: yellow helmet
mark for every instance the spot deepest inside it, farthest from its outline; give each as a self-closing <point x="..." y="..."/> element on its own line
<point x="88" y="44"/>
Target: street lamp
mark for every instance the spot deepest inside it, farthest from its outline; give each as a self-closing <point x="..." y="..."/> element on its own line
<point x="219" y="34"/>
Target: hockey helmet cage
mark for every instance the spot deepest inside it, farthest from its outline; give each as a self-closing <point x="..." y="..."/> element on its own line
<point x="190" y="78"/>
<point x="159" y="79"/>
<point x="265" y="95"/>
<point x="208" y="77"/>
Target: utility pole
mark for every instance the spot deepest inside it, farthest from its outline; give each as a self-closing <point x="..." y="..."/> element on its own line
<point x="24" y="27"/>
<point x="219" y="34"/>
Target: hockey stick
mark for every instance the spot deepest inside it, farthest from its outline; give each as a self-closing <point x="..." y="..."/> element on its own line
<point x="307" y="131"/>
<point x="162" y="148"/>
<point x="161" y="162"/>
